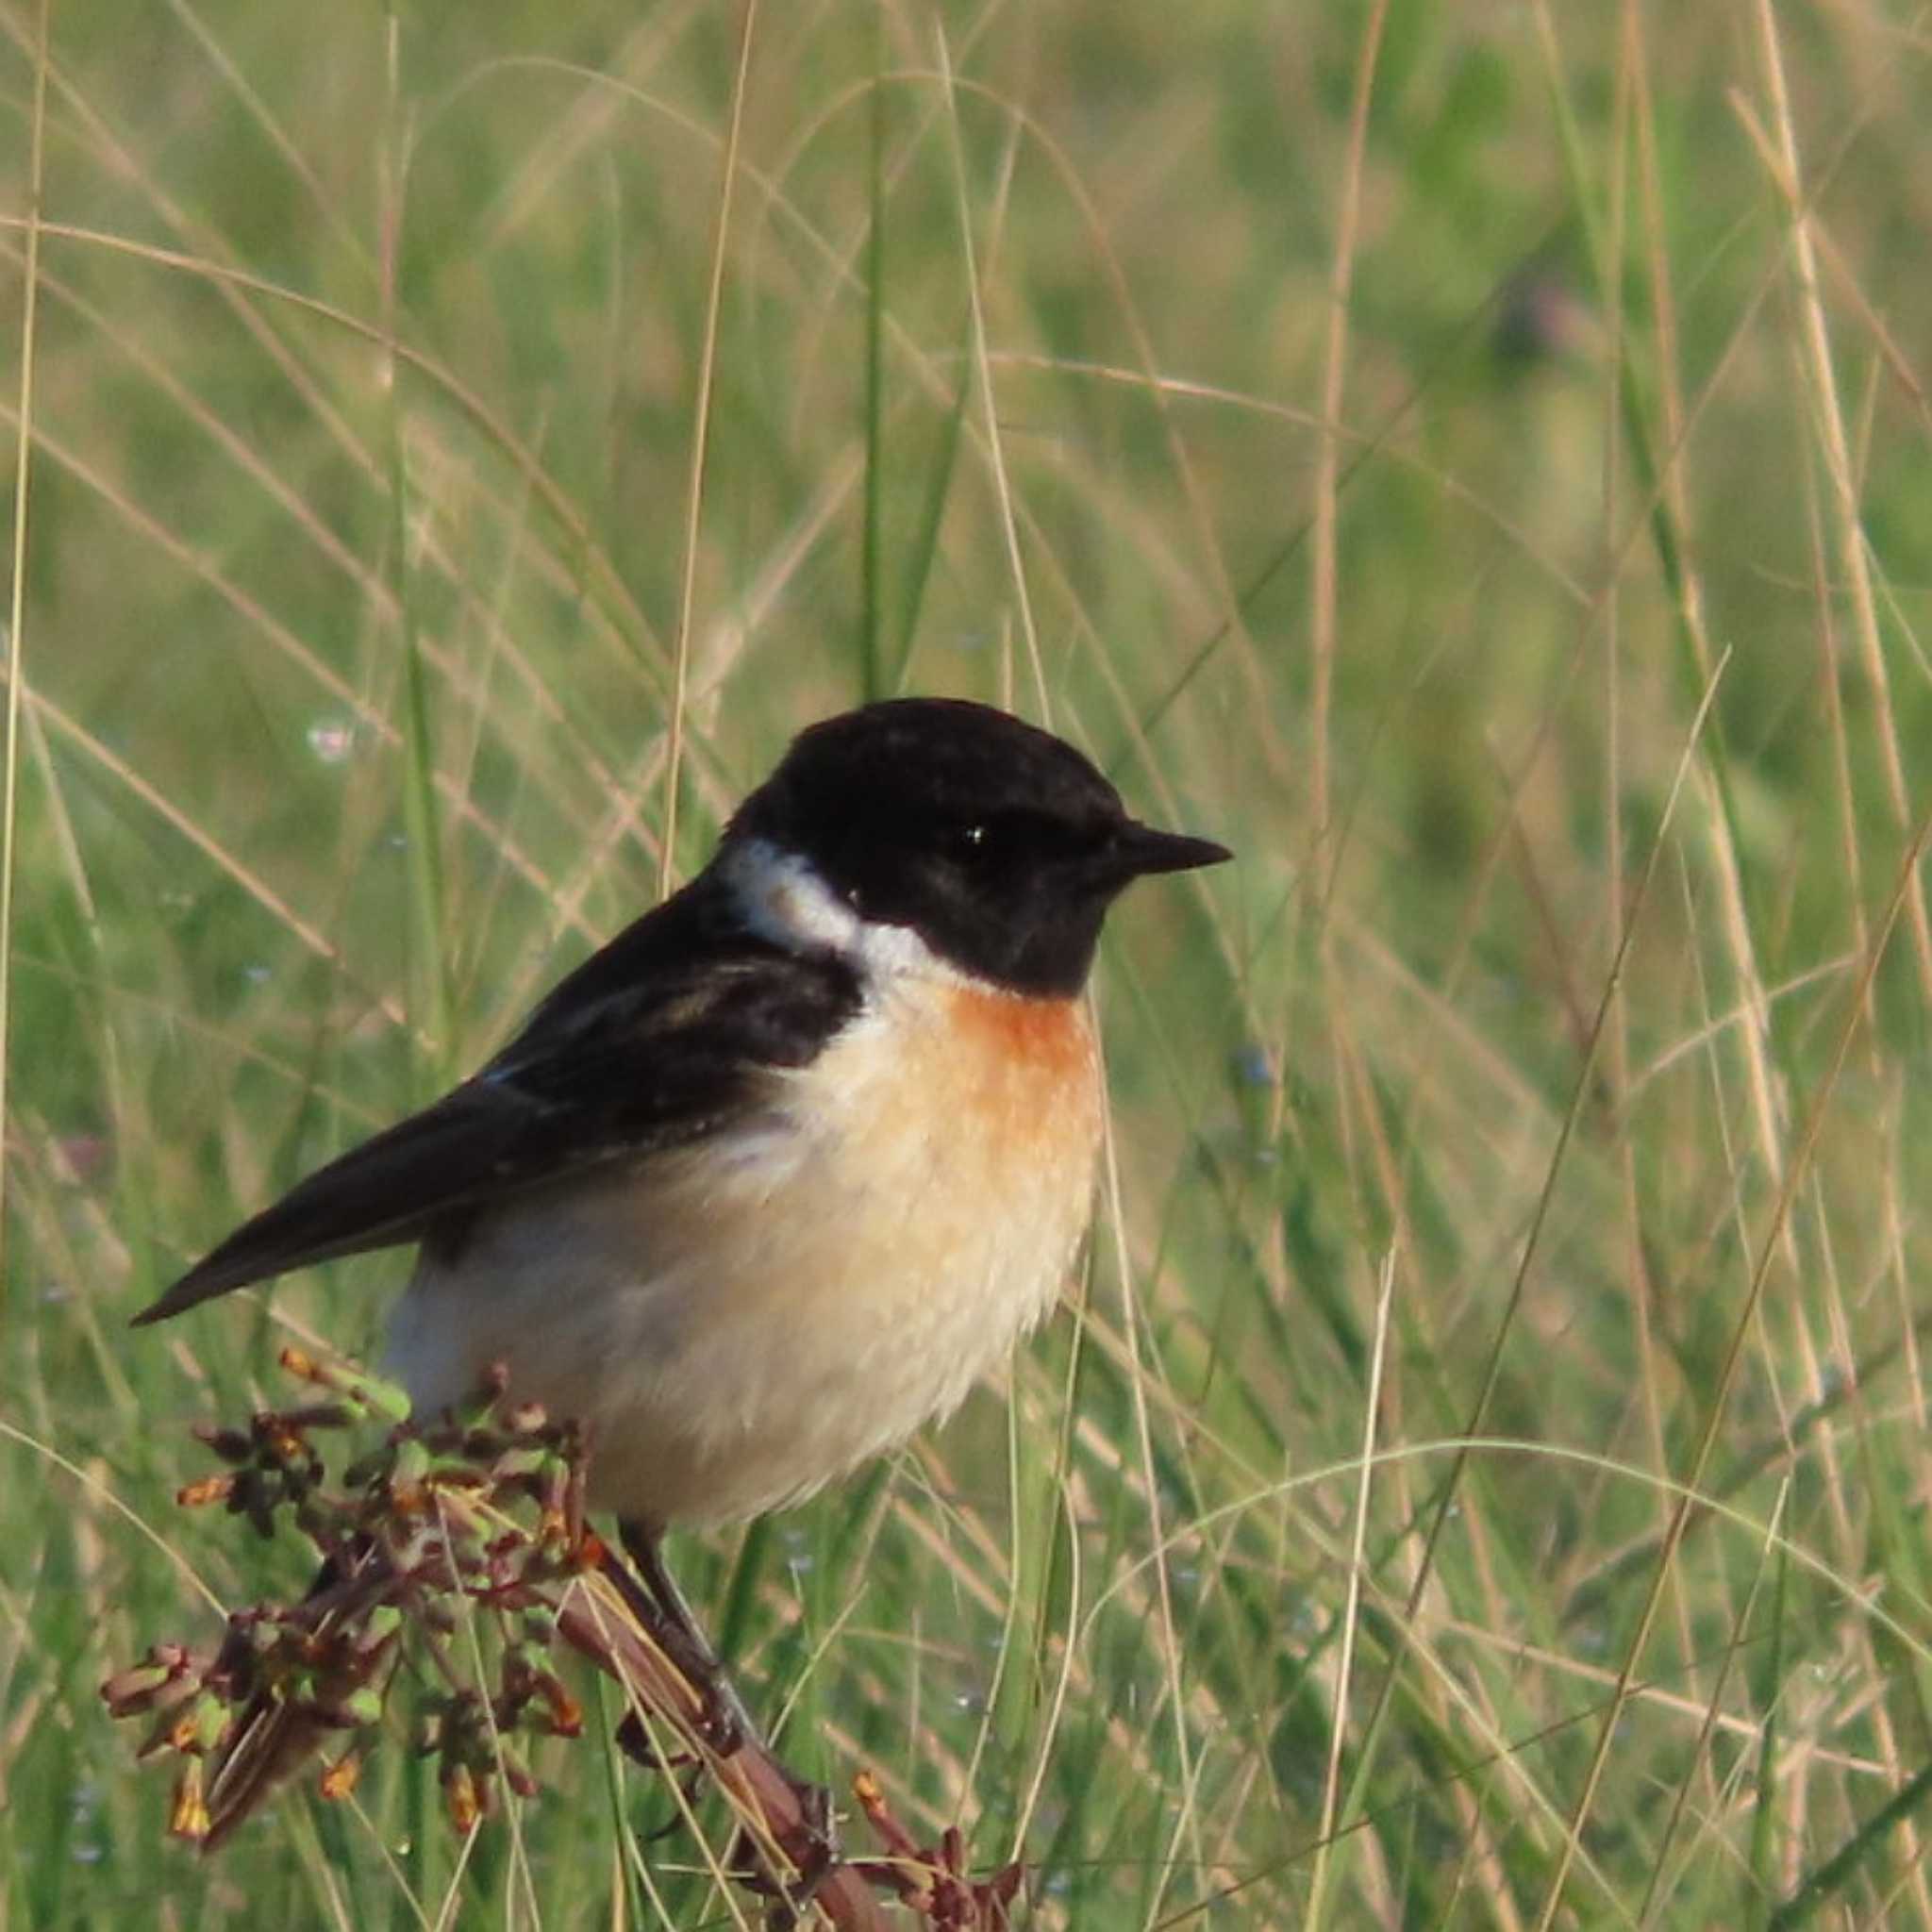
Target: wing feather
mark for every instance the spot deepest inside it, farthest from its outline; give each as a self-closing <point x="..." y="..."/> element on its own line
<point x="654" y="1042"/>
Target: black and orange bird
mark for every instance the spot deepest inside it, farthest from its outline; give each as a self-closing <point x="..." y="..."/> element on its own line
<point x="768" y="1181"/>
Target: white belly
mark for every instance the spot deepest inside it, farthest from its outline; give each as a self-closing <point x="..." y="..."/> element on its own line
<point x="737" y="1325"/>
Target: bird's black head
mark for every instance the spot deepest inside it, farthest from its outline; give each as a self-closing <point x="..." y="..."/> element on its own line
<point x="999" y="844"/>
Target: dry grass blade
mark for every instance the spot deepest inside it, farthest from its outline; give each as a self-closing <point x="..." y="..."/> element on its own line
<point x="16" y="608"/>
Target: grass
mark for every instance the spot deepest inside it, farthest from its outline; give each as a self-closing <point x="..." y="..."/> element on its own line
<point x="1474" y="461"/>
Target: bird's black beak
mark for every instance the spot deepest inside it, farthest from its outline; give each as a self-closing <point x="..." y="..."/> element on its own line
<point x="1137" y="850"/>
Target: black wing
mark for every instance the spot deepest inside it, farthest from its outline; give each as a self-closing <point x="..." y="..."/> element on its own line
<point x="650" y="1043"/>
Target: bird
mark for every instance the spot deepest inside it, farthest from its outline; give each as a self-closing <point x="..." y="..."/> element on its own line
<point x="771" y="1180"/>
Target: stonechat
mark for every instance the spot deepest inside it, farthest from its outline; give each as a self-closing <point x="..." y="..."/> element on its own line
<point x="769" y="1180"/>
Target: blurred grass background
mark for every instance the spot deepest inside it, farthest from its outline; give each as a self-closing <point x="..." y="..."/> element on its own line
<point x="1473" y="459"/>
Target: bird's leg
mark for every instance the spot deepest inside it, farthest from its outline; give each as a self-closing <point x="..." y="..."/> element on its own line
<point x="729" y="1724"/>
<point x="672" y="1621"/>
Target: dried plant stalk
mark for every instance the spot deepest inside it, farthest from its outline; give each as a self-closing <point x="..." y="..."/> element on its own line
<point x="478" y="1514"/>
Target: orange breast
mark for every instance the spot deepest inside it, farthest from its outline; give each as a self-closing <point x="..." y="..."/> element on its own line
<point x="962" y="1104"/>
<point x="1042" y="1041"/>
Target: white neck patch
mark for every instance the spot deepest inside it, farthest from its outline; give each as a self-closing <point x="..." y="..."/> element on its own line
<point x="783" y="898"/>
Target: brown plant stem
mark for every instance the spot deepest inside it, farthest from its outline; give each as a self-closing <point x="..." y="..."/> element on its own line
<point x="758" y="1785"/>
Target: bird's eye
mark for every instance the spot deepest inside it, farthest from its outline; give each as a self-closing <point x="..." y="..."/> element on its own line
<point x="1002" y="838"/>
<point x="969" y="845"/>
